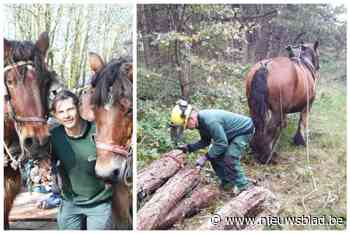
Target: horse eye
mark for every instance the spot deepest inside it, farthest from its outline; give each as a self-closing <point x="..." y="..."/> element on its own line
<point x="9" y="82"/>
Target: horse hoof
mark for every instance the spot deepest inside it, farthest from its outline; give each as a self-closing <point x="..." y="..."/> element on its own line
<point x="298" y="140"/>
<point x="262" y="159"/>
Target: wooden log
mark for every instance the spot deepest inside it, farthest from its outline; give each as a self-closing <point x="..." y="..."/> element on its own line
<point x="166" y="198"/>
<point x="249" y="203"/>
<point x="25" y="208"/>
<point x="158" y="172"/>
<point x="200" y="198"/>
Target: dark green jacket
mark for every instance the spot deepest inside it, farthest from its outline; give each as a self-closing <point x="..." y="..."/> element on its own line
<point x="77" y="158"/>
<point x="219" y="127"/>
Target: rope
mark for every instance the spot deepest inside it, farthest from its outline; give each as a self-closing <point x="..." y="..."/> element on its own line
<point x="307" y="134"/>
<point x="14" y="163"/>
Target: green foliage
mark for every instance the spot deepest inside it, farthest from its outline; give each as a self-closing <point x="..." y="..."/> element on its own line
<point x="152" y="133"/>
<point x="226" y="91"/>
<point x="160" y="85"/>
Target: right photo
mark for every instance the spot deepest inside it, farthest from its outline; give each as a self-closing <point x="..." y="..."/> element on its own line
<point x="241" y="117"/>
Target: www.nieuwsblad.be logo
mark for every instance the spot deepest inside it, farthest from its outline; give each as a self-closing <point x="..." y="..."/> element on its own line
<point x="216" y="219"/>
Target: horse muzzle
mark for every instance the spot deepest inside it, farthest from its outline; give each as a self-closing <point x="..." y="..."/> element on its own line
<point x="121" y="173"/>
<point x="37" y="148"/>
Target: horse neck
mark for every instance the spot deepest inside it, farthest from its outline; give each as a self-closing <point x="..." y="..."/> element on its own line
<point x="308" y="64"/>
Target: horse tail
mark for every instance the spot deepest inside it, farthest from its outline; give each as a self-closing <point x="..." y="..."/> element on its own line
<point x="258" y="99"/>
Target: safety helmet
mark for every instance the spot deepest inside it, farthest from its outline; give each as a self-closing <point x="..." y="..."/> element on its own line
<point x="180" y="113"/>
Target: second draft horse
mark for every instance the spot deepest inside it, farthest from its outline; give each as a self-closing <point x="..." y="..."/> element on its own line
<point x="277" y="87"/>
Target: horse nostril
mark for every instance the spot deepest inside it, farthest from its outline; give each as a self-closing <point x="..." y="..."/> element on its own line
<point x="45" y="141"/>
<point x="28" y="142"/>
<point x="116" y="172"/>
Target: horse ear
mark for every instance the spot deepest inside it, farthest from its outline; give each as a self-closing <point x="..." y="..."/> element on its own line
<point x="7" y="48"/>
<point x="96" y="62"/>
<point x="316" y="45"/>
<point x="43" y="43"/>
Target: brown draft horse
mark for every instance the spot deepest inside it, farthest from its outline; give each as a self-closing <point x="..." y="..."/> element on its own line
<point x="279" y="86"/>
<point x="109" y="103"/>
<point x="27" y="83"/>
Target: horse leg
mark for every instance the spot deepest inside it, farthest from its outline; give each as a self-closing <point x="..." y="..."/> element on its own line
<point x="121" y="202"/>
<point x="299" y="137"/>
<point x="12" y="188"/>
<point x="277" y="128"/>
<point x="273" y="132"/>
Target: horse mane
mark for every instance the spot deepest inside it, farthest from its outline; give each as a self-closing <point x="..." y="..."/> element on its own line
<point x="112" y="80"/>
<point x="26" y="51"/>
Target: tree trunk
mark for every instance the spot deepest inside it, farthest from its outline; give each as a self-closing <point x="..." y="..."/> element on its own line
<point x="249" y="203"/>
<point x="158" y="172"/>
<point x="166" y="198"/>
<point x="263" y="43"/>
<point x="200" y="198"/>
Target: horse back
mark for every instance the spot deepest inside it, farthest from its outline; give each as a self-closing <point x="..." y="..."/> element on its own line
<point x="290" y="85"/>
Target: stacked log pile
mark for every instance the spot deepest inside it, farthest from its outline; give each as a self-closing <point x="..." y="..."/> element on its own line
<point x="252" y="203"/>
<point x="178" y="194"/>
<point x="158" y="172"/>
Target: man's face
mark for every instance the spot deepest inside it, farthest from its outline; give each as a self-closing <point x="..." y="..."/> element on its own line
<point x="67" y="113"/>
<point x="191" y="122"/>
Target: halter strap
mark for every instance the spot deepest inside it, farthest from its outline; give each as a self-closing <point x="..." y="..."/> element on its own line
<point x="118" y="149"/>
<point x="18" y="64"/>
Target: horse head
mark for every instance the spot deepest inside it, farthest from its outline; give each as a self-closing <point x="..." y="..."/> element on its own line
<point x="308" y="52"/>
<point x="111" y="104"/>
<point x="27" y="82"/>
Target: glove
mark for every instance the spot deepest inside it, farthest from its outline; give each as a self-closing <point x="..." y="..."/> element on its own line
<point x="184" y="148"/>
<point x="201" y="161"/>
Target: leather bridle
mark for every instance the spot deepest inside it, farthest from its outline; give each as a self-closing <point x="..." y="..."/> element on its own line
<point x="20" y="119"/>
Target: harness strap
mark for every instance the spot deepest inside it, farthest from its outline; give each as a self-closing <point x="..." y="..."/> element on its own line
<point x="309" y="66"/>
<point x="307" y="63"/>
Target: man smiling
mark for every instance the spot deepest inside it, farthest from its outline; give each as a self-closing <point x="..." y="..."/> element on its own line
<point x="84" y="196"/>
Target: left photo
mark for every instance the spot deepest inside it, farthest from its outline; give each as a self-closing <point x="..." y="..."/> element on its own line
<point x="68" y="116"/>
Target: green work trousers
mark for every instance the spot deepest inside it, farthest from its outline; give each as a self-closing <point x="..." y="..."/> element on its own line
<point x="228" y="166"/>
<point x="98" y="217"/>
